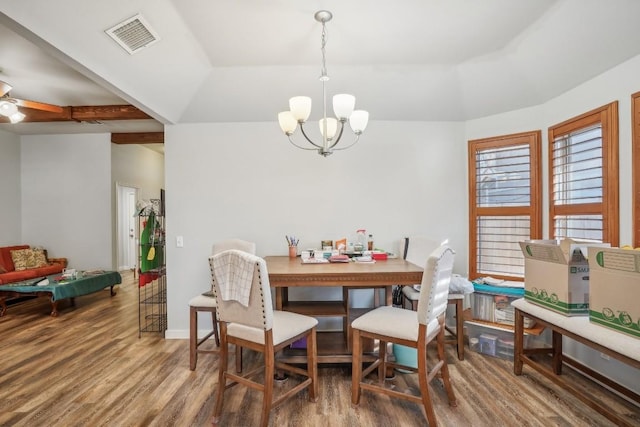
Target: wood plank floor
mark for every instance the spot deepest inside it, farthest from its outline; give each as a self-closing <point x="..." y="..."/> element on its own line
<point x="88" y="367"/>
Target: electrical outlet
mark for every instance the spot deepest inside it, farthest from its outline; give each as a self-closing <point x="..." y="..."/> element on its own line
<point x="179" y="241"/>
<point x="605" y="356"/>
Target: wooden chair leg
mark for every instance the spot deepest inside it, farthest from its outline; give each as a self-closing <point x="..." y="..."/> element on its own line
<point x="312" y="365"/>
<point x="423" y="381"/>
<point x="194" y="343"/>
<point x="222" y="374"/>
<point x="238" y="359"/>
<point x="382" y="368"/>
<point x="444" y="369"/>
<point x="356" y="367"/>
<point x="458" y="334"/>
<point x="404" y="299"/>
<point x="267" y="398"/>
<point x="214" y="322"/>
<point x="460" y="329"/>
<point x="193" y="338"/>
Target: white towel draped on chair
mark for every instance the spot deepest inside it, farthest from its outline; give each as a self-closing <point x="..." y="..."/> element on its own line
<point x="234" y="275"/>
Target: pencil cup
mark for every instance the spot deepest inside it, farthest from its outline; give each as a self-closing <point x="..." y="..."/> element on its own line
<point x="293" y="251"/>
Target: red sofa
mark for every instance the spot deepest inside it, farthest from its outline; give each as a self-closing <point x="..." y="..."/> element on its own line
<point x="8" y="273"/>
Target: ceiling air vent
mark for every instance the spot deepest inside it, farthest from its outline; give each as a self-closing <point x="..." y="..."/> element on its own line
<point x="134" y="34"/>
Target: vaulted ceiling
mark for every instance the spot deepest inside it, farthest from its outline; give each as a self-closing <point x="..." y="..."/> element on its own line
<point x="240" y="61"/>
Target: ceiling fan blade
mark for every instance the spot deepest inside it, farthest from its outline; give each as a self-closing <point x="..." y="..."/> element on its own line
<point x="38" y="105"/>
<point x="4" y="88"/>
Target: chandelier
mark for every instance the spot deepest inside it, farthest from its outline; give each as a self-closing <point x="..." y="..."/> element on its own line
<point x="9" y="109"/>
<point x="343" y="108"/>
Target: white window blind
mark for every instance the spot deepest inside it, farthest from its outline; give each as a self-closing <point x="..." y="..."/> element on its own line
<point x="583" y="227"/>
<point x="503" y="177"/>
<point x="498" y="251"/>
<point x="503" y="180"/>
<point x="577" y="173"/>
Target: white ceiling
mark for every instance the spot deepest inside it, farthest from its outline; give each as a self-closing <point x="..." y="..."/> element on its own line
<point x="240" y="61"/>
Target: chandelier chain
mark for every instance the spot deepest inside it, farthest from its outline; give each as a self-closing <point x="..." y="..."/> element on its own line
<point x="323" y="71"/>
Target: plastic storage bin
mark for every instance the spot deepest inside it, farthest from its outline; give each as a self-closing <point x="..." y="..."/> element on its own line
<point x="497" y="342"/>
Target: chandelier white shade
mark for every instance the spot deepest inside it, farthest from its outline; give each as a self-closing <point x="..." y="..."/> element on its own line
<point x="331" y="129"/>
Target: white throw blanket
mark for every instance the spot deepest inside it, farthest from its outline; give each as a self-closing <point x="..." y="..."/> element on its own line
<point x="233" y="270"/>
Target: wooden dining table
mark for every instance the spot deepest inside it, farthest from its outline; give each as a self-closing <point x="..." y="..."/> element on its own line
<point x="335" y="347"/>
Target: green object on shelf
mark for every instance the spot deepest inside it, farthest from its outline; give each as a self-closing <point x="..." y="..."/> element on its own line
<point x="150" y="249"/>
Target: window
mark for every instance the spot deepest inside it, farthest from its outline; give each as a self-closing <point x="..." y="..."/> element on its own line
<point x="635" y="131"/>
<point x="504" y="203"/>
<point x="583" y="182"/>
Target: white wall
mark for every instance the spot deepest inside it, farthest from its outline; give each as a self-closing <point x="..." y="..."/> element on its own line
<point x="245" y="180"/>
<point x="66" y="197"/>
<point x="134" y="165"/>
<point x="10" y="205"/>
<point x="616" y="84"/>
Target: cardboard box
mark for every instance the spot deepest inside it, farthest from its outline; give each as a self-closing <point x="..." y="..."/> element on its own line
<point x="556" y="275"/>
<point x="615" y="289"/>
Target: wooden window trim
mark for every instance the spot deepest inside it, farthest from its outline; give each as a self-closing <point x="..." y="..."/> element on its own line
<point x="534" y="210"/>
<point x="607" y="116"/>
<point x="635" y="166"/>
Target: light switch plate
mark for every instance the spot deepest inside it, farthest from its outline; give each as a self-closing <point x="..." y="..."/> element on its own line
<point x="179" y="241"/>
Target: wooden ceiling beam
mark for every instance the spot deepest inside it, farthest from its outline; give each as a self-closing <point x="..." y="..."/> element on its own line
<point x="83" y="114"/>
<point x="108" y="112"/>
<point x="97" y="113"/>
<point x="138" y="138"/>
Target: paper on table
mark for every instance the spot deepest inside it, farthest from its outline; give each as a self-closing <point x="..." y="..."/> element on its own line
<point x="314" y="260"/>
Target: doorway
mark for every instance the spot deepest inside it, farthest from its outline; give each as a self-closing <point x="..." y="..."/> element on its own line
<point x="127" y="227"/>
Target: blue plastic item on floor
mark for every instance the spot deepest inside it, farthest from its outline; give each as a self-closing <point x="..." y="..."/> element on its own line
<point x="406" y="356"/>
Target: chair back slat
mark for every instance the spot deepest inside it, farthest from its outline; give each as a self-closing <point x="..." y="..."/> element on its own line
<point x="241" y="245"/>
<point x="434" y="290"/>
<point x="259" y="312"/>
<point x="416" y="249"/>
<point x="225" y="245"/>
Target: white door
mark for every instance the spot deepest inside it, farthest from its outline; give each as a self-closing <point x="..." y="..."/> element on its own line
<point x="127" y="240"/>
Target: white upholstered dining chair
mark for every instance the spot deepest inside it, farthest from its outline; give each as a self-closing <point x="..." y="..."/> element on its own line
<point x="415" y="329"/>
<point x="247" y="319"/>
<point x="416" y="249"/>
<point x="206" y="303"/>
